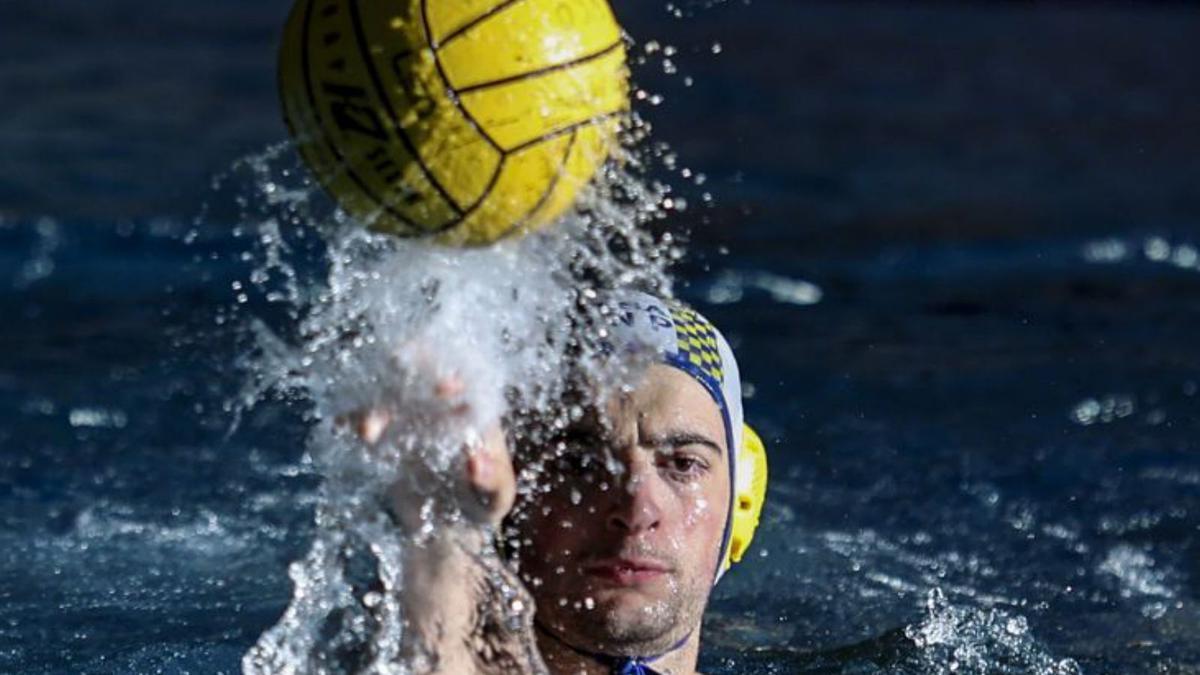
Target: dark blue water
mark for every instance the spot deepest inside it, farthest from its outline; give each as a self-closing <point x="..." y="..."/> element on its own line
<point x="957" y="248"/>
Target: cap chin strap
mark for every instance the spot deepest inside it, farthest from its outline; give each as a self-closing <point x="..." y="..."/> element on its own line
<point x="617" y="665"/>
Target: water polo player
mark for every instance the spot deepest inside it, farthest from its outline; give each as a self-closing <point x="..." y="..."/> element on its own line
<point x="636" y="510"/>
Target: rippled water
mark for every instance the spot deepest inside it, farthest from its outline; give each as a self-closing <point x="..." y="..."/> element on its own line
<point x="954" y="246"/>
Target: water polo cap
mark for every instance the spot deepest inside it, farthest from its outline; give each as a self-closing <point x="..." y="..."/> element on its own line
<point x="684" y="339"/>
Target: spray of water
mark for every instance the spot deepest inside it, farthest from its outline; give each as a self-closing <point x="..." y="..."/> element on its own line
<point x="369" y="322"/>
<point x="954" y="639"/>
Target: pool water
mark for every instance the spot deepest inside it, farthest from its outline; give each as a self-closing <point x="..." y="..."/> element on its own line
<point x="956" y="246"/>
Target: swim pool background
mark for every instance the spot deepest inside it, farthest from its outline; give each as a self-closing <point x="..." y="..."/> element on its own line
<point x="994" y="395"/>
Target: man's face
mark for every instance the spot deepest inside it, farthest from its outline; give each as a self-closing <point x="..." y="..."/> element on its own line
<point x="621" y="542"/>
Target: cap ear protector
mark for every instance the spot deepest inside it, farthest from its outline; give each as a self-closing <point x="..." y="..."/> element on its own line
<point x="750" y="491"/>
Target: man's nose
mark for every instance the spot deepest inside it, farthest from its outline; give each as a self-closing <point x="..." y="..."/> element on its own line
<point x="635" y="506"/>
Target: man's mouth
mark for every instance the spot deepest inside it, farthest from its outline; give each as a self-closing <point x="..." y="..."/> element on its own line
<point x="626" y="571"/>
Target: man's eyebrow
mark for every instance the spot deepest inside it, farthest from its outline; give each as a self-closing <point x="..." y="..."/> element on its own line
<point x="678" y="437"/>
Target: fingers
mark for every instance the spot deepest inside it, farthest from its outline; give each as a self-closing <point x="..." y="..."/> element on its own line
<point x="487" y="488"/>
<point x="490" y="475"/>
<point x="449" y="387"/>
<point x="485" y="460"/>
<point x="370" y="424"/>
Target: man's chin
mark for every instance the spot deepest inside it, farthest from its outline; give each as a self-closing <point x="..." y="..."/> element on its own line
<point x="624" y="605"/>
<point x="605" y="603"/>
<point x="628" y="625"/>
<point x="619" y="621"/>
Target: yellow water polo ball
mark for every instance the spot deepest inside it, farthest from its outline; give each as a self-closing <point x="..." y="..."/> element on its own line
<point x="467" y="120"/>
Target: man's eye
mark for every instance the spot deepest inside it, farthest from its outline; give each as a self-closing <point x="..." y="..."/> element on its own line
<point x="684" y="466"/>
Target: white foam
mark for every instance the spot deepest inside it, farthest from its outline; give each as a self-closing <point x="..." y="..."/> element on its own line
<point x="97" y="417"/>
<point x="389" y="321"/>
<point x="965" y="640"/>
<point x="1136" y="572"/>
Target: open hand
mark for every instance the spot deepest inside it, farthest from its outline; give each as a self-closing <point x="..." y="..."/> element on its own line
<point x="487" y="486"/>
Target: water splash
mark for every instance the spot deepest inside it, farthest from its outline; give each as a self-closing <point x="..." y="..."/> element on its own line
<point x="371" y="322"/>
<point x="1139" y="577"/>
<point x="966" y="640"/>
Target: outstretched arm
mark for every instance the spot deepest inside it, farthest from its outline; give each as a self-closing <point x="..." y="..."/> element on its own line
<point x="466" y="612"/>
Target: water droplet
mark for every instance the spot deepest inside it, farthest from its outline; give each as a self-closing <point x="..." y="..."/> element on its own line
<point x="1016" y="625"/>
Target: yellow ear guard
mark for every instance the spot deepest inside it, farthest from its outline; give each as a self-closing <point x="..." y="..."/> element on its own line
<point x="750" y="491"/>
